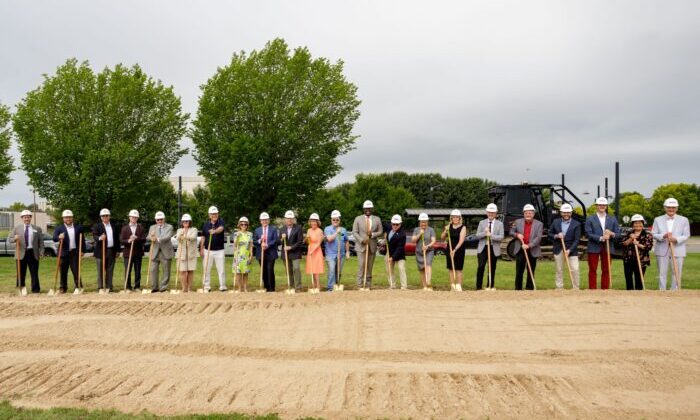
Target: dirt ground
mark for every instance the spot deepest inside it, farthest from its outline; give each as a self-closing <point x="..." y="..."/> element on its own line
<point x="588" y="354"/>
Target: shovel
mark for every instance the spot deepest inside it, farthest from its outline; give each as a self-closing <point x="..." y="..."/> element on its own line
<point x="364" y="276"/>
<point x="453" y="279"/>
<point x="290" y="290"/>
<point x="426" y="285"/>
<point x="176" y="291"/>
<point x="529" y="268"/>
<point x="128" y="268"/>
<point x="147" y="290"/>
<point x="675" y="265"/>
<point x="639" y="266"/>
<point x="262" y="265"/>
<point x="79" y="290"/>
<point x="490" y="286"/>
<point x="52" y="292"/>
<point x="338" y="287"/>
<point x="568" y="264"/>
<point x="206" y="265"/>
<point x="21" y="291"/>
<point x="105" y="290"/>
<point x="607" y="248"/>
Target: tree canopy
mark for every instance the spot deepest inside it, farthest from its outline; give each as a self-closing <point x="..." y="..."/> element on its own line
<point x="6" y="165"/>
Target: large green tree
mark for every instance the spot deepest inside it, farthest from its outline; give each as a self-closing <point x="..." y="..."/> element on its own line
<point x="632" y="203"/>
<point x="6" y="166"/>
<point x="109" y="139"/>
<point x="688" y="196"/>
<point x="270" y="127"/>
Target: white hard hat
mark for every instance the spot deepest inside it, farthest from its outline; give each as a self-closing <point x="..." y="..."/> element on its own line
<point x="671" y="202"/>
<point x="105" y="212"/>
<point x="601" y="201"/>
<point x="160" y="215"/>
<point x="213" y="210"/>
<point x="314" y="216"/>
<point x="289" y="214"/>
<point x="566" y="208"/>
<point x="491" y="208"/>
<point x="396" y="219"/>
<point x="456" y="212"/>
<point x="134" y="213"/>
<point x="264" y="216"/>
<point x="335" y="214"/>
<point x="367" y="205"/>
<point x="67" y="213"/>
<point x="423" y="216"/>
<point x="25" y="213"/>
<point x="186" y="217"/>
<point x="637" y="218"/>
<point x="243" y="219"/>
<point x="529" y="207"/>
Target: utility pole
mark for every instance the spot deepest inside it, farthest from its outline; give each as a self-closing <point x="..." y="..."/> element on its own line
<point x="179" y="198"/>
<point x="617" y="190"/>
<point x="563" y="191"/>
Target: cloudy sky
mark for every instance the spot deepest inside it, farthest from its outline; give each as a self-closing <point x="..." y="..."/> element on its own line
<point x="505" y="90"/>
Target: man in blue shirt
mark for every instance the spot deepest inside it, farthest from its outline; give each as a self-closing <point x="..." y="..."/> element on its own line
<point x="336" y="244"/>
<point x="570" y="230"/>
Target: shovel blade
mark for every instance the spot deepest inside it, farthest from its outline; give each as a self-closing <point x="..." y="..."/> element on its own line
<point x="51" y="292"/>
<point x="260" y="290"/>
<point x="77" y="291"/>
<point x="24" y="291"/>
<point x="174" y="292"/>
<point x="145" y="291"/>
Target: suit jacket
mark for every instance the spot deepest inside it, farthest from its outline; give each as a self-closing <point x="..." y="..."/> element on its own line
<point x="594" y="231"/>
<point x="359" y="232"/>
<point x="681" y="231"/>
<point x="295" y="240"/>
<point x="497" y="234"/>
<point x="571" y="239"/>
<point x="273" y="239"/>
<point x="37" y="240"/>
<point x="535" y="236"/>
<point x="162" y="244"/>
<point x="397" y="245"/>
<point x="66" y="239"/>
<point x="97" y="230"/>
<point x="138" y="243"/>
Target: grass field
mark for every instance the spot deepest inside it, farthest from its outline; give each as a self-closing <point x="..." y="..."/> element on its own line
<point x="505" y="274"/>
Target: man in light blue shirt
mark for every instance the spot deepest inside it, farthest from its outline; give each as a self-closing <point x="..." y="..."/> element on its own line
<point x="336" y="244"/>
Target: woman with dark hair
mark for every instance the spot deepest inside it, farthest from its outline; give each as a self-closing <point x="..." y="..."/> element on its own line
<point x="638" y="238"/>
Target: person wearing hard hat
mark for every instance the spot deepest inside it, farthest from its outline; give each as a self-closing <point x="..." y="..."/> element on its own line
<point x="265" y="239"/>
<point x="671" y="232"/>
<point x="314" y="254"/>
<point x="424" y="237"/>
<point x="213" y="254"/>
<point x="528" y="232"/>
<point x="569" y="229"/>
<point x="31" y="248"/>
<point x="458" y="233"/>
<point x="242" y="253"/>
<point x="108" y="234"/>
<point x="162" y="253"/>
<point x="638" y="238"/>
<point x="293" y="237"/>
<point x="186" y="237"/>
<point x="491" y="228"/>
<point x="600" y="228"/>
<point x="366" y="229"/>
<point x="397" y="253"/>
<point x="336" y="244"/>
<point x="69" y="234"/>
<point x="136" y="234"/>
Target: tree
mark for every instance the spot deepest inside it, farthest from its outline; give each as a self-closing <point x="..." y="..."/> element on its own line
<point x="270" y="127"/>
<point x="92" y="140"/>
<point x="6" y="166"/>
<point x="17" y="206"/>
<point x="688" y="196"/>
<point x="632" y="203"/>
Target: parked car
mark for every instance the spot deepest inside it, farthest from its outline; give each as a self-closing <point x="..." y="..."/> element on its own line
<point x="50" y="248"/>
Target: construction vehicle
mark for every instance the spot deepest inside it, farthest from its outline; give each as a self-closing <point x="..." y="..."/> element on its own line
<point x="547" y="198"/>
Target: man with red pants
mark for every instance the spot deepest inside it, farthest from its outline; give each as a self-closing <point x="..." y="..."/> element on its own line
<point x="600" y="228"/>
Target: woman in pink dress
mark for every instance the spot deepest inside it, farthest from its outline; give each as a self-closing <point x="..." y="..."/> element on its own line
<point x="314" y="255"/>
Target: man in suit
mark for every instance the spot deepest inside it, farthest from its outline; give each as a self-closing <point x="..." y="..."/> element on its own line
<point x="266" y="239"/>
<point x="568" y="229"/>
<point x="162" y="253"/>
<point x="31" y="247"/>
<point x="600" y="228"/>
<point x="488" y="228"/>
<point x="396" y="255"/>
<point x="366" y="230"/>
<point x="294" y="238"/>
<point x="336" y="245"/>
<point x="135" y="234"/>
<point x="105" y="233"/>
<point x="671" y="228"/>
<point x="528" y="233"/>
<point x="68" y="234"/>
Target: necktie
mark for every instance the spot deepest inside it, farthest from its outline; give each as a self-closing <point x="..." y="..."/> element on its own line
<point x="490" y="225"/>
<point x="264" y="235"/>
<point x="369" y="227"/>
<point x="26" y="236"/>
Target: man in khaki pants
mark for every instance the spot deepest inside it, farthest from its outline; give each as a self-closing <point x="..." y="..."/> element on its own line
<point x="163" y="252"/>
<point x="570" y="230"/>
<point x="366" y="230"/>
<point x="31" y="247"/>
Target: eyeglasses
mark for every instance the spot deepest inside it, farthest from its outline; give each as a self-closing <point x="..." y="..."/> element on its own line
<point x="335" y="220"/>
<point x="396" y="224"/>
<point x="159" y="220"/>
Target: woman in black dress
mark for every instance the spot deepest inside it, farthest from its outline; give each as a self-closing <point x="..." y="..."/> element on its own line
<point x="458" y="233"/>
<point x="643" y="240"/>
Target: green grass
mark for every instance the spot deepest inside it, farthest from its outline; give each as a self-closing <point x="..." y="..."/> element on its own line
<point x="504" y="276"/>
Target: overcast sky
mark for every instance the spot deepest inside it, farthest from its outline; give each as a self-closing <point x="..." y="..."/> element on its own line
<point x="507" y="91"/>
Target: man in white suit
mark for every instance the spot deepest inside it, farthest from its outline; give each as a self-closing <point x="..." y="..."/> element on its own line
<point x="366" y="230"/>
<point x="674" y="229"/>
<point x="493" y="228"/>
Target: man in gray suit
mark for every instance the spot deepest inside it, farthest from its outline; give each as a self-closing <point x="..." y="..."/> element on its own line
<point x="671" y="228"/>
<point x="488" y="228"/>
<point x="162" y="252"/>
<point x="528" y="234"/>
<point x="366" y="230"/>
<point x="31" y="247"/>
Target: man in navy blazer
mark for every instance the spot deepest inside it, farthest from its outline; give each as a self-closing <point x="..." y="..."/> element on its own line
<point x="568" y="229"/>
<point x="266" y="239"/>
<point x="69" y="234"/>
<point x="600" y="228"/>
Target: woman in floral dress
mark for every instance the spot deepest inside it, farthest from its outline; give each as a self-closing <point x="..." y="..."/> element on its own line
<point x="242" y="254"/>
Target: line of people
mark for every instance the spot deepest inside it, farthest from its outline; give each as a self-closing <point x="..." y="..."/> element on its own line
<point x="667" y="239"/>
